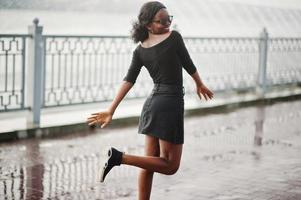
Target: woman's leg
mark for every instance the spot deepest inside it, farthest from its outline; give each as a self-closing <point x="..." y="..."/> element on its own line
<point x="145" y="178"/>
<point x="168" y="162"/>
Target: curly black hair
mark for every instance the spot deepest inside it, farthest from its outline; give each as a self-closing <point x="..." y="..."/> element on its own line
<point x="147" y="12"/>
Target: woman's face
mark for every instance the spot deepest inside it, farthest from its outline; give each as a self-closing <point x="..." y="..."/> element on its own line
<point x="160" y="23"/>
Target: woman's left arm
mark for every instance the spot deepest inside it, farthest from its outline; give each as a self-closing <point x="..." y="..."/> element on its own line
<point x="190" y="68"/>
<point x="201" y="89"/>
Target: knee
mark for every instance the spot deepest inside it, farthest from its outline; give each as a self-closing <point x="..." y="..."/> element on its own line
<point x="172" y="169"/>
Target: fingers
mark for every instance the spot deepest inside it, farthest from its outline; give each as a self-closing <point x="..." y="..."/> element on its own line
<point x="199" y="94"/>
<point x="104" y="124"/>
<point x="92" y="123"/>
<point x="210" y="94"/>
<point x="96" y="114"/>
<point x="204" y="94"/>
<point x="92" y="118"/>
<point x="98" y="118"/>
<point x="207" y="94"/>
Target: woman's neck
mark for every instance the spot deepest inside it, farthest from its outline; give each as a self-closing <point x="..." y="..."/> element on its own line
<point x="155" y="36"/>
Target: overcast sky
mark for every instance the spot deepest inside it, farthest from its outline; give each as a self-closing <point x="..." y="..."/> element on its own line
<point x="296" y="4"/>
<point x="83" y="17"/>
<point x="277" y="3"/>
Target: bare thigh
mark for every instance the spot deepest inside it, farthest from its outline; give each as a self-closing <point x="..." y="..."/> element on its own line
<point x="172" y="153"/>
<point x="152" y="147"/>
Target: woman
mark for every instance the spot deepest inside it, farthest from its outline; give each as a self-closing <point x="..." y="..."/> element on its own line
<point x="163" y="53"/>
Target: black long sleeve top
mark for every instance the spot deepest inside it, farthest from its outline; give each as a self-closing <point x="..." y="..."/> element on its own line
<point x="164" y="61"/>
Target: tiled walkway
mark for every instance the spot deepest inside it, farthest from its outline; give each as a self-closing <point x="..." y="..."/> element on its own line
<point x="248" y="153"/>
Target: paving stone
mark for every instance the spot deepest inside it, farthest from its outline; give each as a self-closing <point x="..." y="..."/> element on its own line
<point x="220" y="161"/>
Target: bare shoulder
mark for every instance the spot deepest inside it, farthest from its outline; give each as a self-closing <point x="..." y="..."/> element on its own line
<point x="155" y="39"/>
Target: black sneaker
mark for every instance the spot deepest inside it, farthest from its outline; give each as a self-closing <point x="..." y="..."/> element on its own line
<point x="114" y="159"/>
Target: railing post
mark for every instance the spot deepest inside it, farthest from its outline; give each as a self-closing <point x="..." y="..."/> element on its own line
<point x="35" y="74"/>
<point x="262" y="69"/>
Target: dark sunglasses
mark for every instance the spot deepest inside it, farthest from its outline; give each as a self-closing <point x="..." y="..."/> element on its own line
<point x="164" y="20"/>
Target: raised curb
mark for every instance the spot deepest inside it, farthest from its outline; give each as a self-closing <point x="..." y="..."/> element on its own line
<point x="55" y="131"/>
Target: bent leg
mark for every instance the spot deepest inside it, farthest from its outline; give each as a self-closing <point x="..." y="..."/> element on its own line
<point x="168" y="162"/>
<point x="172" y="153"/>
<point x="145" y="178"/>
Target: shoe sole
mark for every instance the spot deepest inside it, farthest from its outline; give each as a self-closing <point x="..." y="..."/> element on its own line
<point x="109" y="154"/>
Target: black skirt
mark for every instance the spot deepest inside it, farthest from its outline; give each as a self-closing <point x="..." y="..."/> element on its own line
<point x="162" y="115"/>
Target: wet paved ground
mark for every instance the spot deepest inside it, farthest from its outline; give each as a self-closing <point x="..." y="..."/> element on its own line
<point x="250" y="153"/>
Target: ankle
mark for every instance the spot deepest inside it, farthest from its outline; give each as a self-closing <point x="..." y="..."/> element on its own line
<point x="123" y="158"/>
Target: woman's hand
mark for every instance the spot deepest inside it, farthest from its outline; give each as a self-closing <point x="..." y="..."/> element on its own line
<point x="203" y="90"/>
<point x="101" y="118"/>
<point x="105" y="117"/>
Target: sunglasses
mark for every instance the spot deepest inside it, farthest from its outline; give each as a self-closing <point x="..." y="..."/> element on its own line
<point x="165" y="20"/>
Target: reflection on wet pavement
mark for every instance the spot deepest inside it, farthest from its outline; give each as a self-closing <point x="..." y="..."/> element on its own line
<point x="250" y="153"/>
<point x="259" y="121"/>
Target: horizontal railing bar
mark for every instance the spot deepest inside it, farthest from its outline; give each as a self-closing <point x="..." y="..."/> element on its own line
<point x="124" y="36"/>
<point x="128" y="37"/>
<point x="15" y="109"/>
<point x="284" y="38"/>
<point x="270" y="38"/>
<point x="15" y="35"/>
<point x="86" y="36"/>
<point x="218" y="38"/>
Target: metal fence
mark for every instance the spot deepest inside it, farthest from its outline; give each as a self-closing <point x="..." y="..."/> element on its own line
<point x="39" y="71"/>
<point x="284" y="61"/>
<point x="12" y="71"/>
<point x="84" y="69"/>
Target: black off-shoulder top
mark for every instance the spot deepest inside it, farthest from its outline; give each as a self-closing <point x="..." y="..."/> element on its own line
<point x="164" y="61"/>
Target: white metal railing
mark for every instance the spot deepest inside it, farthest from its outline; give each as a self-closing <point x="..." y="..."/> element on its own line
<point x="39" y="71"/>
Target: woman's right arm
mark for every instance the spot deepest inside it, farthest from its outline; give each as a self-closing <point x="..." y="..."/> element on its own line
<point x="105" y="117"/>
<point x="123" y="90"/>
